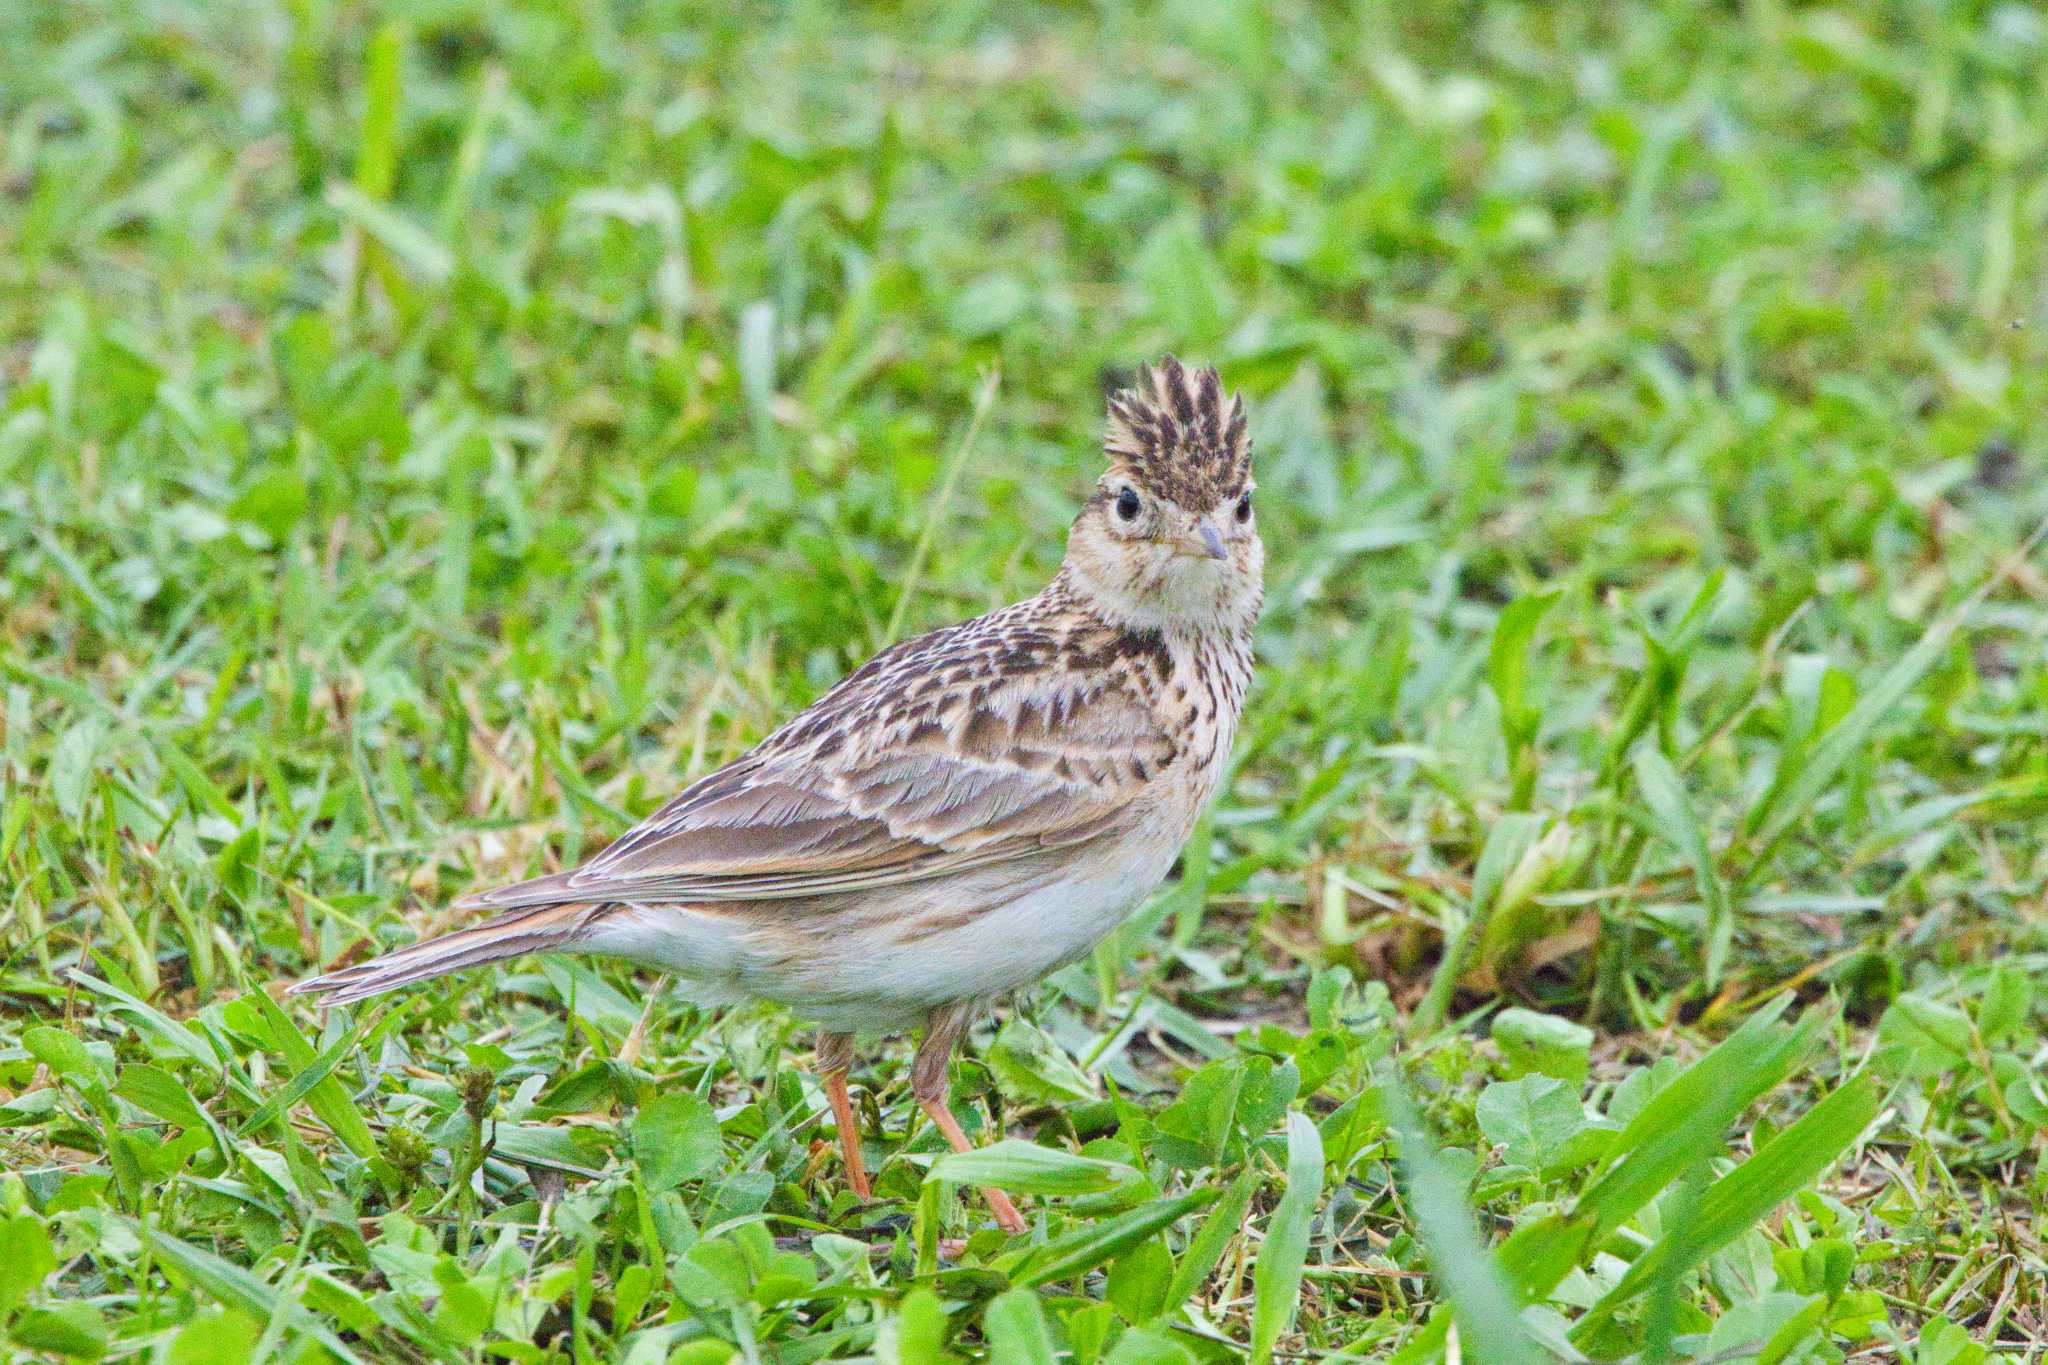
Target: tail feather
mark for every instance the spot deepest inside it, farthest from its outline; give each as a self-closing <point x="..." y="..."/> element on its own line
<point x="553" y="889"/>
<point x="535" y="929"/>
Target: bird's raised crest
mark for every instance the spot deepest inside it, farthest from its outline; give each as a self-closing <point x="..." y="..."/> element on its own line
<point x="1180" y="436"/>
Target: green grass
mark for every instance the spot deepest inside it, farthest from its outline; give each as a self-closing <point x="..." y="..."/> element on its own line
<point x="430" y="433"/>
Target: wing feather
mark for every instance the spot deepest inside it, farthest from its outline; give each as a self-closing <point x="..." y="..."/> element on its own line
<point x="889" y="779"/>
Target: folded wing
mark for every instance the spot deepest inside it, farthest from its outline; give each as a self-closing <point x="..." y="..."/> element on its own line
<point x="903" y="772"/>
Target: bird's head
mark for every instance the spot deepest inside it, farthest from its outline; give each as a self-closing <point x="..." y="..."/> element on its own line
<point x="1168" y="539"/>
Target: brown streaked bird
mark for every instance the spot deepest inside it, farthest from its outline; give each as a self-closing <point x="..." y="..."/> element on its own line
<point x="966" y="811"/>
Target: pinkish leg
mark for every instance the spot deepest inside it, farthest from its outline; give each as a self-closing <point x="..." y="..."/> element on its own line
<point x="835" y="1055"/>
<point x="928" y="1083"/>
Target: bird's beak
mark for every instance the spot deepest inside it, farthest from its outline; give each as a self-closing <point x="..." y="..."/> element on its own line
<point x="1199" y="541"/>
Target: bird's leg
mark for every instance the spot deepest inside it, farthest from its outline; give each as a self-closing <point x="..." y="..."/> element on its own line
<point x="942" y="1031"/>
<point x="835" y="1055"/>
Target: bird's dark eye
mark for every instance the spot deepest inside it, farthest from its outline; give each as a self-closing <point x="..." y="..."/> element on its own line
<point x="1127" y="504"/>
<point x="1244" y="508"/>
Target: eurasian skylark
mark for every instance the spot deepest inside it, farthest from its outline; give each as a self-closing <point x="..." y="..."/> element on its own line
<point x="966" y="811"/>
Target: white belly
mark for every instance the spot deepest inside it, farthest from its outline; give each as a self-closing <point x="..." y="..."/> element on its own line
<point x="1006" y="946"/>
<point x="877" y="971"/>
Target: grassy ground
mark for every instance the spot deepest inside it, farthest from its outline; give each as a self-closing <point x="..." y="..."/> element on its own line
<point x="429" y="436"/>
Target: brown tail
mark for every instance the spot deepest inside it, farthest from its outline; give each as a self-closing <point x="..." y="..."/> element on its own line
<point x="536" y="929"/>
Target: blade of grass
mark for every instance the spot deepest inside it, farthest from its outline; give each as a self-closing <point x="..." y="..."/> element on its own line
<point x="169" y="1034"/>
<point x="1687" y="1117"/>
<point x="1679" y="824"/>
<point x="315" y="1081"/>
<point x="1481" y="1302"/>
<point x="231" y="1285"/>
<point x="1747" y="1194"/>
<point x="1027" y="1168"/>
<point x="407" y="242"/>
<point x="936" y="511"/>
<point x="1507" y="672"/>
<point x="1276" y="1275"/>
<point x="1096" y="1243"/>
<point x="1205" y="1252"/>
<point x="1507" y="843"/>
<point x="1852" y="733"/>
<point x="377" y="148"/>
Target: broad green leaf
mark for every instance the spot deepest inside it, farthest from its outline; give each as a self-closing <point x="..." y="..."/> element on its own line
<point x="274" y="503"/>
<point x="1826" y="1265"/>
<point x="1533" y="1118"/>
<point x="1088" y="1330"/>
<point x="917" y="1334"/>
<point x="1267" y="1091"/>
<point x="62" y="1052"/>
<point x="988" y="305"/>
<point x="1029" y="1065"/>
<point x="1780" y="1321"/>
<point x="1138" y="1280"/>
<point x="548" y="1146"/>
<point x="72" y="764"/>
<point x="1193" y="1130"/>
<point x="75" y="1331"/>
<point x="595" y="998"/>
<point x="1185" y="287"/>
<point x="462" y="1310"/>
<point x="635" y="1282"/>
<point x="214" y="1336"/>
<point x="703" y="1351"/>
<point x="1543" y="1043"/>
<point x="1924" y="1037"/>
<point x="1016" y="1330"/>
<point x="1147" y="1346"/>
<point x="676" y="1138"/>
<point x="2027" y="1098"/>
<point x="156" y="1091"/>
<point x="1944" y="1343"/>
<point x="26" y="1259"/>
<point x="2007" y="1006"/>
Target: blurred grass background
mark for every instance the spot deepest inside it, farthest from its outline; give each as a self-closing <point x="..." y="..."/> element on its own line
<point x="429" y="433"/>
